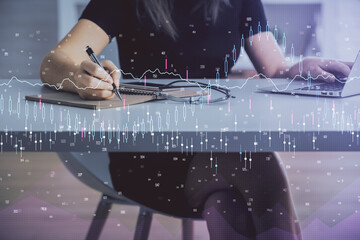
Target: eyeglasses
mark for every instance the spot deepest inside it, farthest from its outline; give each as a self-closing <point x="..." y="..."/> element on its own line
<point x="206" y="96"/>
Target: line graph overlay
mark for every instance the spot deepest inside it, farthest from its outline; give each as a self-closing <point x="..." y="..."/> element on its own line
<point x="59" y="86"/>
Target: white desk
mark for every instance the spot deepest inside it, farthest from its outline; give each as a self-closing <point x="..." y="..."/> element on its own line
<point x="253" y="121"/>
<point x="253" y="117"/>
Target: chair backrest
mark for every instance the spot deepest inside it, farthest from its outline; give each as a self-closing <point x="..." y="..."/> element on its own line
<point x="92" y="170"/>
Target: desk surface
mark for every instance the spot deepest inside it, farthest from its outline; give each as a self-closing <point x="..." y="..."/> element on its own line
<point x="251" y="112"/>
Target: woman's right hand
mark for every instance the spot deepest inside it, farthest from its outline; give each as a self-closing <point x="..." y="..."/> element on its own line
<point x="93" y="82"/>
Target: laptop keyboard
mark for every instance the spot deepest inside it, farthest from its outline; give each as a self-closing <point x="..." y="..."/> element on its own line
<point x="337" y="86"/>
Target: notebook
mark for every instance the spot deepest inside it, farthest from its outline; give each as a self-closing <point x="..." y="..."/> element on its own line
<point x="130" y="94"/>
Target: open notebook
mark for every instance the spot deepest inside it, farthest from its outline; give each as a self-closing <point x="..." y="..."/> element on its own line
<point x="130" y="95"/>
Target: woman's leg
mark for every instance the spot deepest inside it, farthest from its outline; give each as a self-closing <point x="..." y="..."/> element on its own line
<point x="227" y="216"/>
<point x="155" y="180"/>
<point x="234" y="200"/>
<point x="242" y="202"/>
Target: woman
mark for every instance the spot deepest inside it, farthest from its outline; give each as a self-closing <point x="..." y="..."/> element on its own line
<point x="194" y="35"/>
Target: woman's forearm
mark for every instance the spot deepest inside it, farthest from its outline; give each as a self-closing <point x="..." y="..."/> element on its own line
<point x="266" y="56"/>
<point x="57" y="71"/>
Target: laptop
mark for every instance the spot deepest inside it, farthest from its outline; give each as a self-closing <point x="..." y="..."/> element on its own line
<point x="344" y="87"/>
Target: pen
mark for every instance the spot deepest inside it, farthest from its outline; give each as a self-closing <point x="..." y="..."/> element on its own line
<point x="93" y="58"/>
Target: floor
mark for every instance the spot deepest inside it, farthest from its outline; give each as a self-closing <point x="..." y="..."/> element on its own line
<point x="40" y="199"/>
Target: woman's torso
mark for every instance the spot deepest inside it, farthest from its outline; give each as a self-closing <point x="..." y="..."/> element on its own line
<point x="201" y="46"/>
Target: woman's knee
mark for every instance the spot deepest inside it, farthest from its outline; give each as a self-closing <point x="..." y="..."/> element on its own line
<point x="227" y="216"/>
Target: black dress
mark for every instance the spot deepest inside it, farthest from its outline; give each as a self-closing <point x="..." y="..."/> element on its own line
<point x="201" y="46"/>
<point x="175" y="183"/>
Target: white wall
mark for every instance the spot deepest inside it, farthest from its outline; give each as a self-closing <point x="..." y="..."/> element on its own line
<point x="68" y="15"/>
<point x="338" y="32"/>
<point x="28" y="31"/>
<point x="341" y="29"/>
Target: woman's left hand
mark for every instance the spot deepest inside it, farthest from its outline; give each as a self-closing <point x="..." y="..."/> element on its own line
<point x="320" y="69"/>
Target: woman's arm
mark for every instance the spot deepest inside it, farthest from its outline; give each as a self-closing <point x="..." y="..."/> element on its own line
<point x="267" y="59"/>
<point x="266" y="56"/>
<point x="68" y="60"/>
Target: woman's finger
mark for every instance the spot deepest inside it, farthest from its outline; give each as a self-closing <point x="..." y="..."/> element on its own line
<point x="94" y="83"/>
<point x="324" y="75"/>
<point x="336" y="68"/>
<point x="113" y="70"/>
<point x="95" y="70"/>
<point x="349" y="64"/>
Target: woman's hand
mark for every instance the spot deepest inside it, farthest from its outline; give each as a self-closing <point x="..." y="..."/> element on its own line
<point x="320" y="69"/>
<point x="268" y="60"/>
<point x="93" y="82"/>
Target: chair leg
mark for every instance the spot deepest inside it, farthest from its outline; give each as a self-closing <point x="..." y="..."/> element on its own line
<point x="143" y="225"/>
<point x="99" y="219"/>
<point x="187" y="229"/>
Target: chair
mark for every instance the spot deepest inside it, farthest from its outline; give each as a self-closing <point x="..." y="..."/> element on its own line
<point x="86" y="168"/>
